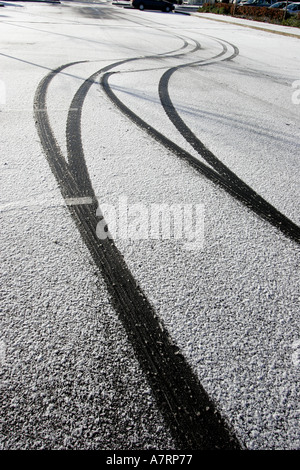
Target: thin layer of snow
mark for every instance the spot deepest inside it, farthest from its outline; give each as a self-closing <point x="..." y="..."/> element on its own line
<point x="69" y="378"/>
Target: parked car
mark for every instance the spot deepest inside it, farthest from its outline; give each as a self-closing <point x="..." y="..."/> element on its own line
<point x="153" y="5"/>
<point x="258" y="3"/>
<point x="280" y="5"/>
<point x="293" y="8"/>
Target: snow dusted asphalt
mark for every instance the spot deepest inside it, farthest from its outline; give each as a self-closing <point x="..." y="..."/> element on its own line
<point x="76" y="370"/>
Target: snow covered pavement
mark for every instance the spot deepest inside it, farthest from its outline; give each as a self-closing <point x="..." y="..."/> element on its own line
<point x="123" y="342"/>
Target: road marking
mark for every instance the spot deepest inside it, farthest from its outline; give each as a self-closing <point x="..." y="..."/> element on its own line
<point x="43" y="110"/>
<point x="45" y="203"/>
<point x="77" y="201"/>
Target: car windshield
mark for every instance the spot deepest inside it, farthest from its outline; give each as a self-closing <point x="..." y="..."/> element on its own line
<point x="250" y="2"/>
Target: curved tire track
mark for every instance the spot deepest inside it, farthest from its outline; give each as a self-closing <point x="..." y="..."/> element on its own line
<point x="222" y="175"/>
<point x="192" y="417"/>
